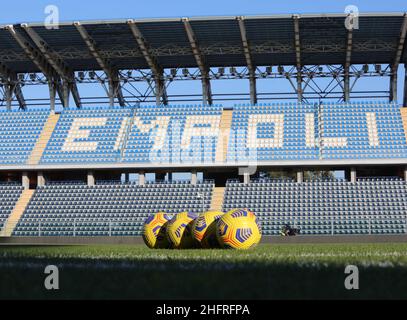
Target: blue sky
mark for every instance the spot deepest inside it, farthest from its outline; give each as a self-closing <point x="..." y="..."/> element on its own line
<point x="29" y="10"/>
<point x="33" y="11"/>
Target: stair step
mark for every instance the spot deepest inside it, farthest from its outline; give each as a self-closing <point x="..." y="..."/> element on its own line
<point x="42" y="141"/>
<point x="223" y="139"/>
<point x="217" y="198"/>
<point x="17" y="212"/>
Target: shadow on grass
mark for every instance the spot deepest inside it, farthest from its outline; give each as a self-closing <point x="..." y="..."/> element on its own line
<point x="150" y="278"/>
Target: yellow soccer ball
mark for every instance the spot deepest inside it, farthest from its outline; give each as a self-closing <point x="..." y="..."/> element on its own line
<point x="238" y="229"/>
<point x="179" y="230"/>
<point x="204" y="229"/>
<point x="154" y="231"/>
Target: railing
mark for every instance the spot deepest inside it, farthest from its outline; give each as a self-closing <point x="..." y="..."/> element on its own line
<point x="129" y="125"/>
<point x="78" y="227"/>
<point x="328" y="225"/>
<point x="337" y="224"/>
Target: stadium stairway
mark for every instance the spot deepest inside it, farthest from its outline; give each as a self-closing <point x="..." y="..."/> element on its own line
<point x="42" y="141"/>
<point x="127" y="129"/>
<point x="404" y="118"/>
<point x="17" y="212"/>
<point x="224" y="132"/>
<point x="217" y="198"/>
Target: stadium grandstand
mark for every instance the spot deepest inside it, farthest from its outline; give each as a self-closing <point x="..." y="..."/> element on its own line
<point x="73" y="165"/>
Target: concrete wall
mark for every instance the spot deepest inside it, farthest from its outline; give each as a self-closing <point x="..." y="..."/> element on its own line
<point x="265" y="239"/>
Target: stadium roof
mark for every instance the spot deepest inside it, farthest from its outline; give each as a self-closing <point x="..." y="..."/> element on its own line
<point x="208" y="42"/>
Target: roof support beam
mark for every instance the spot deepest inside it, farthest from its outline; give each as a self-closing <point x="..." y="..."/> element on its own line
<point x="346" y="87"/>
<point x="36" y="57"/>
<point x="397" y="59"/>
<point x="297" y="45"/>
<point x="5" y="73"/>
<point x="58" y="65"/>
<point x="8" y="95"/>
<point x="39" y="60"/>
<point x="19" y="93"/>
<point x="250" y="66"/>
<point x="393" y="85"/>
<point x="253" y="90"/>
<point x="207" y="91"/>
<point x="52" y="87"/>
<point x="402" y="39"/>
<point x="115" y="90"/>
<point x="12" y="86"/>
<point x="160" y="89"/>
<point x="199" y="58"/>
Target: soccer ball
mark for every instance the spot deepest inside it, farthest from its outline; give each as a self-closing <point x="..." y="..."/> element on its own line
<point x="179" y="230"/>
<point x="154" y="231"/>
<point x="204" y="229"/>
<point x="238" y="229"/>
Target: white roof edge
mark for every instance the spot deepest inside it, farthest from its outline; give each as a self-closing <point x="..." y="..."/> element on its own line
<point x="214" y="18"/>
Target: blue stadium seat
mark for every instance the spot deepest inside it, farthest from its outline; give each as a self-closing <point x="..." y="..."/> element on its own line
<point x="108" y="209"/>
<point x="9" y="195"/>
<point x="95" y="134"/>
<point x="291" y="131"/>
<point x="373" y="130"/>
<point x="139" y="148"/>
<point x="285" y="123"/>
<point x="369" y="206"/>
<point x="19" y="132"/>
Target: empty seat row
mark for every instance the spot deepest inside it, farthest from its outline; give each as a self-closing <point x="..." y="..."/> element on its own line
<point x="107" y="209"/>
<point x="369" y="206"/>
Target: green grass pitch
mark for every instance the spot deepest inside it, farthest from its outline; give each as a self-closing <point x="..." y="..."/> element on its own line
<point x="266" y="272"/>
